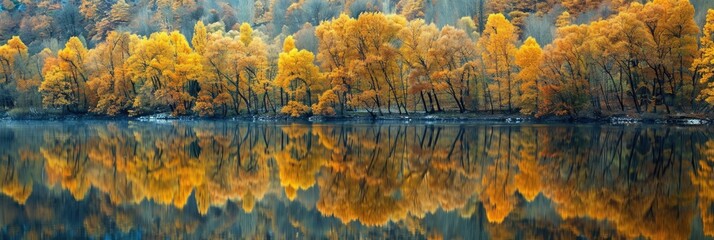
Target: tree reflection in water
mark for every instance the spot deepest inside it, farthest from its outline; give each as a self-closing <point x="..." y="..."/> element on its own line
<point x="249" y="180"/>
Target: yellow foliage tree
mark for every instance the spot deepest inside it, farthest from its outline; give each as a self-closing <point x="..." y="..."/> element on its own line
<point x="704" y="64"/>
<point x="120" y="12"/>
<point x="65" y="79"/>
<point x="9" y="53"/>
<point x="298" y="74"/>
<point x="200" y="36"/>
<point x="13" y="56"/>
<point x="236" y="76"/>
<point x="418" y="39"/>
<point x="326" y="103"/>
<point x="528" y="59"/>
<point x="246" y="34"/>
<point x="373" y="35"/>
<point x="563" y="20"/>
<point x="566" y="89"/>
<point x="497" y="45"/>
<point x="335" y="52"/>
<point x="108" y="79"/>
<point x="165" y="68"/>
<point x="455" y="58"/>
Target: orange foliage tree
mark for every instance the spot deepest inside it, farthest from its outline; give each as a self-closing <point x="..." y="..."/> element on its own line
<point x="65" y="84"/>
<point x="528" y="59"/>
<point x="498" y="47"/>
<point x="108" y="77"/>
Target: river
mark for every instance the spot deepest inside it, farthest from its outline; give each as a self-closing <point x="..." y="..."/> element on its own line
<point x="225" y="179"/>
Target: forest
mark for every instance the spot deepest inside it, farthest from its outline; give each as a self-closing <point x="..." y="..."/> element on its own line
<point x="302" y="58"/>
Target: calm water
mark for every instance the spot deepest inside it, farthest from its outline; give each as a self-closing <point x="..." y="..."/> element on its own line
<point x="136" y="180"/>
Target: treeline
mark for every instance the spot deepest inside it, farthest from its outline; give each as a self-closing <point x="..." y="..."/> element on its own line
<point x="43" y="23"/>
<point x="650" y="57"/>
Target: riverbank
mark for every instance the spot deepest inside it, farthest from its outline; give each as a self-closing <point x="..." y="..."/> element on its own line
<point x="447" y="117"/>
<point x="620" y="119"/>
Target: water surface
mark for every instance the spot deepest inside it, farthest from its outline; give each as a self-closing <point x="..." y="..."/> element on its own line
<point x="137" y="180"/>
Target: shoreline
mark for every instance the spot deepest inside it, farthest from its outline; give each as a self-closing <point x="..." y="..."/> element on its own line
<point x="444" y="117"/>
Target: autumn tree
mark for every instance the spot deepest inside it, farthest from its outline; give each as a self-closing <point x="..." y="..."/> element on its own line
<point x="528" y="59"/>
<point x="210" y="87"/>
<point x="566" y="86"/>
<point x="65" y="84"/>
<point x="335" y="54"/>
<point x="298" y="74"/>
<point x="704" y="64"/>
<point x="120" y="12"/>
<point x="239" y="76"/>
<point x="246" y="34"/>
<point x="497" y="45"/>
<point x="255" y="66"/>
<point x="10" y="53"/>
<point x="411" y="9"/>
<point x="628" y="43"/>
<point x="362" y="62"/>
<point x="326" y="103"/>
<point x="456" y="65"/>
<point x="200" y="36"/>
<point x="578" y="6"/>
<point x="215" y="94"/>
<point x="611" y="50"/>
<point x="13" y="56"/>
<point x="564" y="19"/>
<point x="164" y="69"/>
<point x="102" y="15"/>
<point x="374" y="36"/>
<point x="418" y="39"/>
<point x="671" y="26"/>
<point x="108" y="77"/>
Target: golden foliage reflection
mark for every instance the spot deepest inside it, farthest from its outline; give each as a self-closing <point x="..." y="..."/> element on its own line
<point x="609" y="181"/>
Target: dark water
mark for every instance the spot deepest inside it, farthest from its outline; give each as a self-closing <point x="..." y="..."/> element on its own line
<point x="203" y="180"/>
